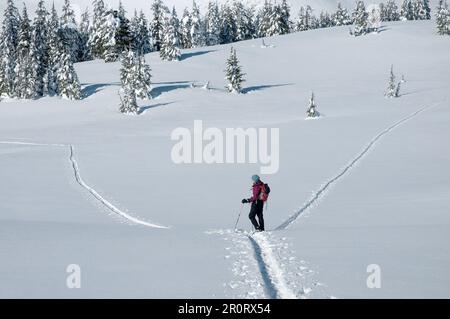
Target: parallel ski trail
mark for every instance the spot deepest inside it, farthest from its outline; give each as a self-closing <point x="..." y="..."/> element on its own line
<point x="348" y="167"/>
<point x="91" y="190"/>
<point x="272" y="275"/>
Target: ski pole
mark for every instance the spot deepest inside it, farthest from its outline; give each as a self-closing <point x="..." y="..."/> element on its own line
<point x="239" y="216"/>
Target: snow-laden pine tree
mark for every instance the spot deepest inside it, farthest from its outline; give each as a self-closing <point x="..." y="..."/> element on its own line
<point x="373" y="18"/>
<point x="68" y="83"/>
<point x="108" y="34"/>
<point x="306" y="20"/>
<point x="128" y="71"/>
<point x="276" y="26"/>
<point x="311" y="112"/>
<point x="442" y="18"/>
<point x="53" y="44"/>
<point x="426" y="5"/>
<point x="391" y="90"/>
<point x="391" y="13"/>
<point x="157" y="24"/>
<point x="325" y="20"/>
<point x="243" y="20"/>
<point x="341" y="16"/>
<point x="96" y="40"/>
<point x="285" y="17"/>
<point x="234" y="74"/>
<point x="360" y="17"/>
<point x="264" y="19"/>
<point x="24" y="84"/>
<point x="301" y="20"/>
<point x="143" y="85"/>
<point x="69" y="31"/>
<point x="39" y="49"/>
<point x="229" y="30"/>
<point x="198" y="35"/>
<point x="140" y="32"/>
<point x="185" y="29"/>
<point x="124" y="36"/>
<point x="8" y="48"/>
<point x="406" y="10"/>
<point x="170" y="47"/>
<point x="212" y="24"/>
<point x="84" y="32"/>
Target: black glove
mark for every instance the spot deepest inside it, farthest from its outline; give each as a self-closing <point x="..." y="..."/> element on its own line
<point x="244" y="201"/>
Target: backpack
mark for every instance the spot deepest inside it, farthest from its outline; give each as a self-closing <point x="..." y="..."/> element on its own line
<point x="264" y="194"/>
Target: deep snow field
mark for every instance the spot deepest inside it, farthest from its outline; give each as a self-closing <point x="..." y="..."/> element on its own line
<point x="373" y="172"/>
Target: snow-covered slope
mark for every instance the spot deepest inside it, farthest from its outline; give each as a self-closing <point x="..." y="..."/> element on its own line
<point x="367" y="183"/>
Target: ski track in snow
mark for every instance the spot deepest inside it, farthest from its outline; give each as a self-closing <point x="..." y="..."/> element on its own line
<point x="91" y="190"/>
<point x="317" y="195"/>
<point x="274" y="282"/>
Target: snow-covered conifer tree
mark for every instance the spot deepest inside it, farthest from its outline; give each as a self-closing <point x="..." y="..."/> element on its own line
<point x="276" y="22"/>
<point x="68" y="84"/>
<point x="198" y="35"/>
<point x="170" y="47"/>
<point x="301" y="20"/>
<point x="442" y="18"/>
<point x="341" y="16"/>
<point x="242" y="20"/>
<point x="54" y="42"/>
<point x="185" y="29"/>
<point x="39" y="49"/>
<point x="373" y="18"/>
<point x="70" y="34"/>
<point x="108" y="34"/>
<point x="325" y="20"/>
<point x="228" y="32"/>
<point x="84" y="32"/>
<point x="285" y="17"/>
<point x="24" y="85"/>
<point x="234" y="74"/>
<point x="124" y="36"/>
<point x="360" y="19"/>
<point x="157" y="24"/>
<point x="96" y="40"/>
<point x="212" y="24"/>
<point x="406" y="10"/>
<point x="140" y="33"/>
<point x="311" y="112"/>
<point x="143" y="85"/>
<point x="8" y="48"/>
<point x="392" y="87"/>
<point x="264" y="19"/>
<point x="391" y="11"/>
<point x="128" y="71"/>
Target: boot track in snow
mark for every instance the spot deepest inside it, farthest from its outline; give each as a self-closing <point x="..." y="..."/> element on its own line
<point x="91" y="190"/>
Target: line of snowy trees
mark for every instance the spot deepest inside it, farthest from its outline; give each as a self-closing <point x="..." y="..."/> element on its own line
<point x="37" y="56"/>
<point x="443" y="18"/>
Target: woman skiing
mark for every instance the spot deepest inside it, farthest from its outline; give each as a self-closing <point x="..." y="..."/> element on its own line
<point x="260" y="193"/>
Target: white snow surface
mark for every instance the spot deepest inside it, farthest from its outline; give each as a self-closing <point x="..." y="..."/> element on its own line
<point x="366" y="183"/>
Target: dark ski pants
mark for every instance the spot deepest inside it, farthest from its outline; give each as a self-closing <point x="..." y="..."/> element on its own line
<point x="257" y="210"/>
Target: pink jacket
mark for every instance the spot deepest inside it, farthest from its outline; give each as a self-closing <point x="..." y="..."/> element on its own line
<point x="256" y="188"/>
